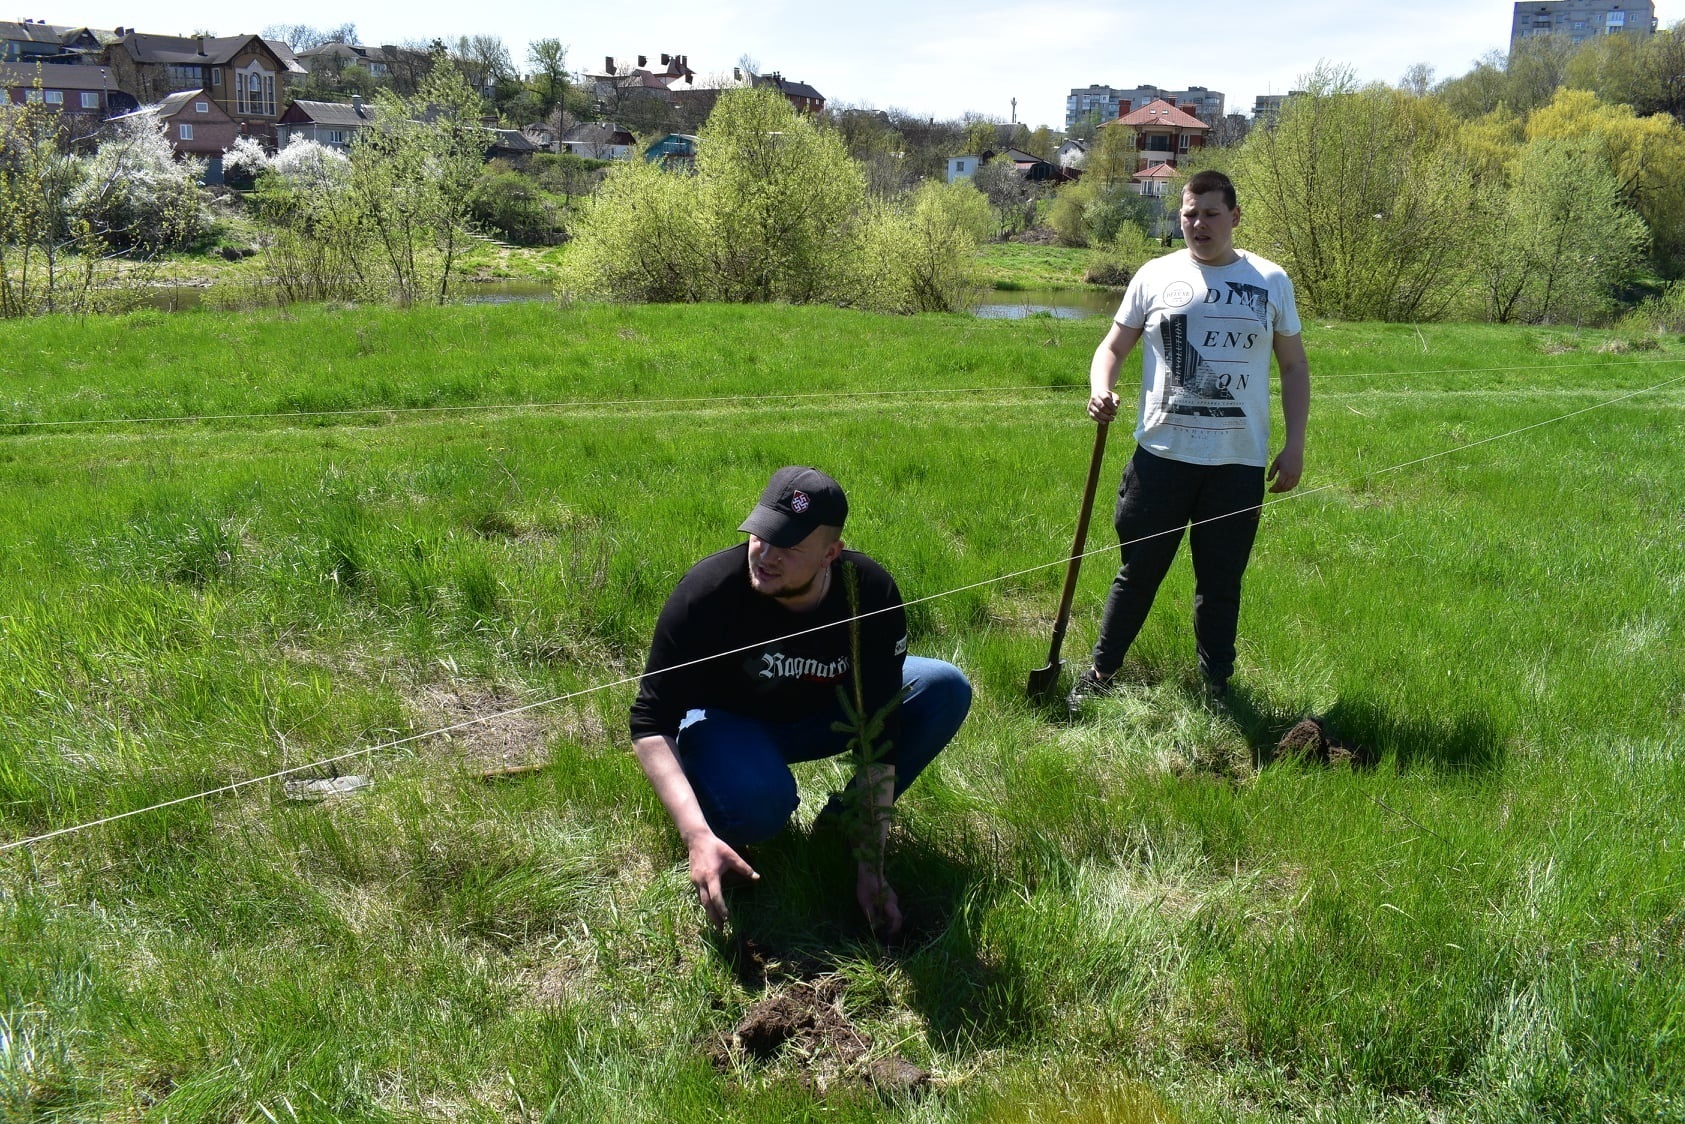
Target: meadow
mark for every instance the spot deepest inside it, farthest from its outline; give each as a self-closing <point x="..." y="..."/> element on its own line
<point x="378" y="523"/>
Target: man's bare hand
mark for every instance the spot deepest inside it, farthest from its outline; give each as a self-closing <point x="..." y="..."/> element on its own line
<point x="1102" y="407"/>
<point x="877" y="899"/>
<point x="1284" y="473"/>
<point x="711" y="860"/>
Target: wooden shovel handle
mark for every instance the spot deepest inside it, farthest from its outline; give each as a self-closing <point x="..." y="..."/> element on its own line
<point x="1075" y="564"/>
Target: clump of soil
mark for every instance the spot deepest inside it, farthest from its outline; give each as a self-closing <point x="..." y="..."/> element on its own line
<point x="1312" y="737"/>
<point x="805" y="1023"/>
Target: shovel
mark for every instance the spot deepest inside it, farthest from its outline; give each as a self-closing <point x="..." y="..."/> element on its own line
<point x="1044" y="681"/>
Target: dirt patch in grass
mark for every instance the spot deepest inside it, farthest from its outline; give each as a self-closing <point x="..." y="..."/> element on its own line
<point x="1314" y="739"/>
<point x="802" y="1024"/>
<point x="500" y="740"/>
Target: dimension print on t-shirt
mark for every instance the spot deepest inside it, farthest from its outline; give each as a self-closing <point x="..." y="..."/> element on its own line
<point x="1194" y="388"/>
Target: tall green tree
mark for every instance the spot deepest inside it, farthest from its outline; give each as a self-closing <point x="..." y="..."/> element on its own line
<point x="549" y="79"/>
<point x="1558" y="241"/>
<point x="412" y="180"/>
<point x="1362" y="194"/>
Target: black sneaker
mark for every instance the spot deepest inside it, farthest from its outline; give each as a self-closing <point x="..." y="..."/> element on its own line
<point x="1216" y="691"/>
<point x="1091" y="685"/>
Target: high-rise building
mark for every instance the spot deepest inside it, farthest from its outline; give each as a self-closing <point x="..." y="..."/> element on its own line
<point x="1109" y="103"/>
<point x="1581" y="20"/>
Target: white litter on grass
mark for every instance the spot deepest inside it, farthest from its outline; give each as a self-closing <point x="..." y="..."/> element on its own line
<point x="320" y="788"/>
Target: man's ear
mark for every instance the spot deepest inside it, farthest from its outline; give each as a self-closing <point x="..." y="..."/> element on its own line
<point x="832" y="551"/>
<point x="1237" y="214"/>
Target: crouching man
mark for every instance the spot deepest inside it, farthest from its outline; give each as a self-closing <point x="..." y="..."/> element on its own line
<point x="743" y="678"/>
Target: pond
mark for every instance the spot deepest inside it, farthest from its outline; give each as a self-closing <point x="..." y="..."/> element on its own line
<point x="1061" y="304"/>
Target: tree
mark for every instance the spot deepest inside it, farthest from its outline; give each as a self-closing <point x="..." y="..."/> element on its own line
<point x="303" y="37"/>
<point x="1538" y="66"/>
<point x="1646" y="155"/>
<point x="412" y="178"/>
<point x="1112" y="157"/>
<point x="1011" y="196"/>
<point x="1558" y="241"/>
<point x="1362" y="195"/>
<point x="549" y="81"/>
<point x="1417" y="80"/>
<point x="776" y="210"/>
<point x="1477" y="93"/>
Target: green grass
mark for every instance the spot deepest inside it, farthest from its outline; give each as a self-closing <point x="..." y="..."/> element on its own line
<point x="1138" y="912"/>
<point x="1016" y="265"/>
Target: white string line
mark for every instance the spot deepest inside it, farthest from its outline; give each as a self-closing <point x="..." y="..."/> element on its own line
<point x="996" y="580"/>
<point x="610" y="403"/>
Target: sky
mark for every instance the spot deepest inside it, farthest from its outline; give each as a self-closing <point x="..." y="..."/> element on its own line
<point x="939" y="58"/>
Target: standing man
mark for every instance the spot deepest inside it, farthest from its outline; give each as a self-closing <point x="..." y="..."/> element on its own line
<point x="742" y="680"/>
<point x="1212" y="315"/>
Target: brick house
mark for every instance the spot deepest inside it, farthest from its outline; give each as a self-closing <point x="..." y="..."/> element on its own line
<point x="196" y="126"/>
<point x="1160" y="132"/>
<point x="245" y="75"/>
<point x="68" y="87"/>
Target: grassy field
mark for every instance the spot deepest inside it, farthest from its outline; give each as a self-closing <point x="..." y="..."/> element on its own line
<point x="389" y="522"/>
<point x="1017" y="265"/>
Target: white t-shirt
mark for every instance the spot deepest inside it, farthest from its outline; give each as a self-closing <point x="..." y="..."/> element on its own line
<point x="1207" y="334"/>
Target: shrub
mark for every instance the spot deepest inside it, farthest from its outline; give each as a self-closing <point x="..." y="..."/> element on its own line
<point x="134" y="194"/>
<point x="512" y="206"/>
<point x="1106" y="271"/>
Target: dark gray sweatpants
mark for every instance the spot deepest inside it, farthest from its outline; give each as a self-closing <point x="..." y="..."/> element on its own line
<point x="1156" y="501"/>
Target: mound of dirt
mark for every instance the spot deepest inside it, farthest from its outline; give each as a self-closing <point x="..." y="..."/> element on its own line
<point x="804" y="1023"/>
<point x="1313" y="738"/>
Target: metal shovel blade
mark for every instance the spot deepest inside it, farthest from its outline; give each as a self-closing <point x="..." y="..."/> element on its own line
<point x="1044" y="683"/>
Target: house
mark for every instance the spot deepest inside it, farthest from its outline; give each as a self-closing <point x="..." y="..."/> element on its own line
<point x="246" y="75"/>
<point x="675" y="150"/>
<point x="196" y="126"/>
<point x="1159" y="132"/>
<point x="33" y="41"/>
<point x="804" y="97"/>
<point x="508" y="144"/>
<point x="68" y="87"/>
<point x="1072" y="154"/>
<point x="1032" y="167"/>
<point x="334" y="124"/>
<point x="964" y="167"/>
<point x="616" y="82"/>
<point x="599" y="140"/>
<point x="1155" y="180"/>
<point x="336" y="56"/>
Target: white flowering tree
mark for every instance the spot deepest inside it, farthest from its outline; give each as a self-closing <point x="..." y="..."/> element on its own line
<point x="311" y="165"/>
<point x="133" y="194"/>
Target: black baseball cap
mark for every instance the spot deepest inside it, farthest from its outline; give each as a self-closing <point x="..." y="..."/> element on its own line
<point x="796" y="500"/>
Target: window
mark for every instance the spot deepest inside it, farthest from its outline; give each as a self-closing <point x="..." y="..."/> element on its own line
<point x="186" y="131"/>
<point x="1182" y="142"/>
<point x="254" y="91"/>
<point x="55" y="97"/>
<point x="201" y="107"/>
<point x="32" y="95"/>
<point x="186" y="77"/>
<point x="90" y="100"/>
<point x="1617" y="21"/>
<point x="216" y="75"/>
<point x="335" y="136"/>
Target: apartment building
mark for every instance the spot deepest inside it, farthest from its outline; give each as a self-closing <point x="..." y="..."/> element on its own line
<point x="1580" y="20"/>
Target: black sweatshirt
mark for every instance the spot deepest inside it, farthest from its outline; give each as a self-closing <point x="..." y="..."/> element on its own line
<point x="714" y="609"/>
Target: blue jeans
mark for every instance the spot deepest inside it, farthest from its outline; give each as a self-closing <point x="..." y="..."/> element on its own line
<point x="739" y="767"/>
